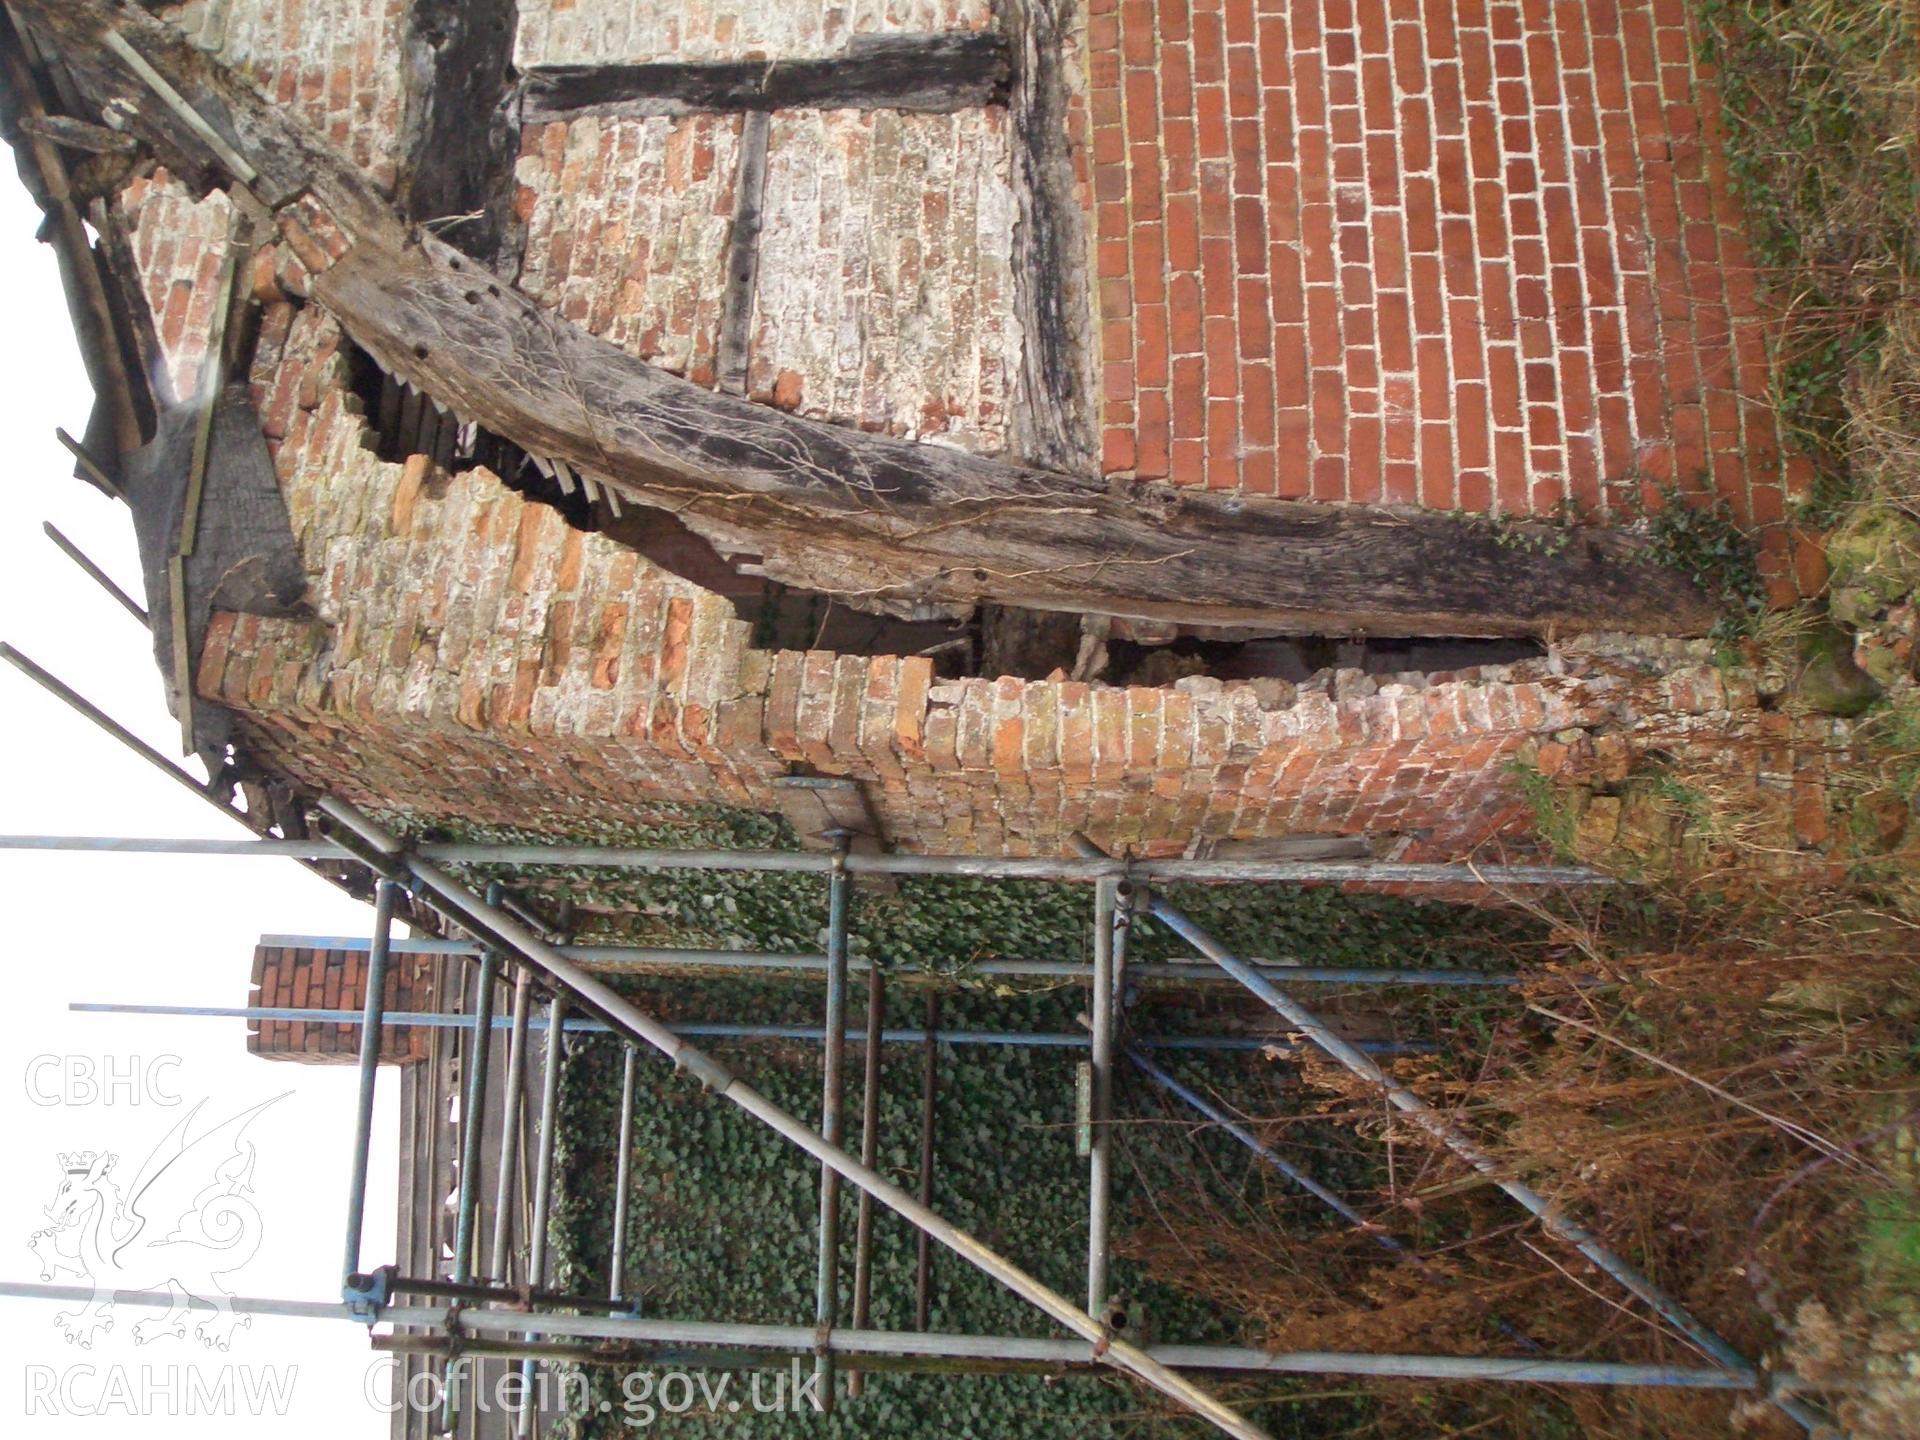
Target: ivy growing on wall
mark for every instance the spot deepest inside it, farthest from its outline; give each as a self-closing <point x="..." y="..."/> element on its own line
<point x="724" y="1212"/>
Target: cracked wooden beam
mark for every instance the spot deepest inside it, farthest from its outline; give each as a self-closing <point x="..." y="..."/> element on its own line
<point x="882" y="524"/>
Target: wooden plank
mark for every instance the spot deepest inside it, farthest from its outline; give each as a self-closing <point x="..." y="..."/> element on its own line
<point x="213" y="380"/>
<point x="818" y="805"/>
<point x="743" y="255"/>
<point x="936" y="72"/>
<point x="182" y="660"/>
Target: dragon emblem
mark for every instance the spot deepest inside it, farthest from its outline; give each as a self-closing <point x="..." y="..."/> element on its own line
<point x="184" y="1223"/>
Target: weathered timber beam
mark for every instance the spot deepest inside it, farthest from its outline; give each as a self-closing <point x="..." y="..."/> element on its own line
<point x="460" y="138"/>
<point x="881" y="523"/>
<point x="891" y="524"/>
<point x="936" y="72"/>
<point x="1056" y="420"/>
<point x="743" y="255"/>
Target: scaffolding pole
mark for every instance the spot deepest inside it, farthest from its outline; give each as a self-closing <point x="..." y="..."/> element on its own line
<point x="543" y="1169"/>
<point x="810" y="862"/>
<point x="510" y="1125"/>
<point x="473" y="1111"/>
<point x="833" y="1071"/>
<point x="625" y="959"/>
<point x="622" y="1178"/>
<point x="370" y="1021"/>
<point x="929" y="1098"/>
<point x="731" y="1030"/>
<point x="869" y="1157"/>
<point x="1100" y="1151"/>
<point x="1336" y="1046"/>
<point x="788" y="1340"/>
<point x="492" y="925"/>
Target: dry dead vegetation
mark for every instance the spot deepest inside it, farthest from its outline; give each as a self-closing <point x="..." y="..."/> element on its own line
<point x="1718" y="1068"/>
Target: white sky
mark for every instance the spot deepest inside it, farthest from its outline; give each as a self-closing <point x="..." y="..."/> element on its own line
<point x="170" y="930"/>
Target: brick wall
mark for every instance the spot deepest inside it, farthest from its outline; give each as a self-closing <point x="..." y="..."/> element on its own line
<point x="627" y="227"/>
<point x="180" y="245"/>
<point x="333" y="980"/>
<point x="567" y="32"/>
<point x="885" y="290"/>
<point x="1473" y="253"/>
<point x="884" y="294"/>
<point x="336" y="62"/>
<point x="473" y="657"/>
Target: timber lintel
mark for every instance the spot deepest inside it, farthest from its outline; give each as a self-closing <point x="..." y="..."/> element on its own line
<point x="937" y="72"/>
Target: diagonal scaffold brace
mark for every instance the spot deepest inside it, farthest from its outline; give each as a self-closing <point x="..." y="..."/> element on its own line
<point x="1331" y="1043"/>
<point x="369" y="842"/>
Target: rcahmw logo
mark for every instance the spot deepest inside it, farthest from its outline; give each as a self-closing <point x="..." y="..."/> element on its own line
<point x="172" y="1390"/>
<point x="183" y="1226"/>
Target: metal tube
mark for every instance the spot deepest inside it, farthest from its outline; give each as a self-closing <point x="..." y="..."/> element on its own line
<point x="53" y="685"/>
<point x="100" y="577"/>
<point x="729" y="1030"/>
<point x="493" y="924"/>
<point x="792" y="1339"/>
<point x="510" y="1121"/>
<point x="1247" y="1138"/>
<point x="622" y="1178"/>
<point x="929" y="1095"/>
<point x="1100" y="1161"/>
<point x="473" y="1109"/>
<point x="833" y="1068"/>
<point x="472" y="1112"/>
<point x="505" y="1294"/>
<point x="621" y="958"/>
<point x="1443" y="1130"/>
<point x="543" y="1173"/>
<point x="869" y="1157"/>
<point x="372" y="1008"/>
<point x="1300" y="872"/>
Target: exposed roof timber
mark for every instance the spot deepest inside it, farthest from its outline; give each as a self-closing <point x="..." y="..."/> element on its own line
<point x="880" y="523"/>
<point x="119" y="389"/>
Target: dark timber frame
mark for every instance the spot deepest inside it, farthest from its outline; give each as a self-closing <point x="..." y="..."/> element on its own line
<point x="460" y="139"/>
<point x="937" y="72"/>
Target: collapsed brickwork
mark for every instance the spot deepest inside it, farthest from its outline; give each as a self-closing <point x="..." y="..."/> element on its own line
<point x="1530" y="289"/>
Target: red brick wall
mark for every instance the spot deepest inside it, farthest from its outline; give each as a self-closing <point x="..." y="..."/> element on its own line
<point x="180" y="245"/>
<point x="473" y="657"/>
<point x="1470" y="253"/>
<point x="333" y="980"/>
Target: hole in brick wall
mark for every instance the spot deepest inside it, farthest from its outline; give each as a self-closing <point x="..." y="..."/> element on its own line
<point x="1297" y="657"/>
<point x="786" y="619"/>
<point x="997" y="640"/>
<point x="403" y="422"/>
